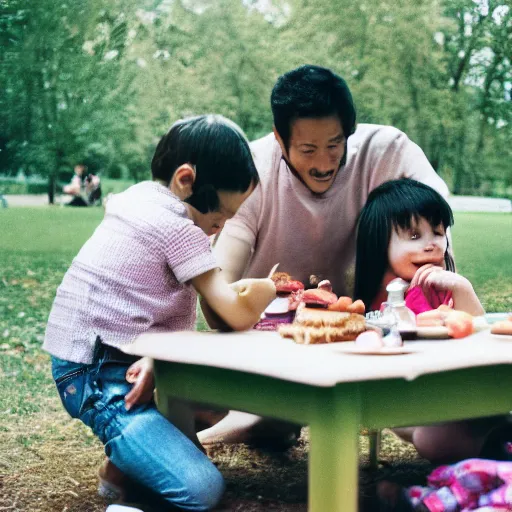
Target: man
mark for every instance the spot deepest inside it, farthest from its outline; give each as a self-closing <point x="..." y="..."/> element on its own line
<point x="316" y="171"/>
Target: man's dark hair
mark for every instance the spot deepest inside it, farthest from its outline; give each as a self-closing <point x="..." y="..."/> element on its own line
<point x="311" y="92"/>
<point x="391" y="206"/>
<point x="219" y="151"/>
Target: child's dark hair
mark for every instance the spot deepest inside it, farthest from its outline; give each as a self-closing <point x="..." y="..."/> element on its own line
<point x="393" y="205"/>
<point x="219" y="151"/>
<point x="311" y="92"/>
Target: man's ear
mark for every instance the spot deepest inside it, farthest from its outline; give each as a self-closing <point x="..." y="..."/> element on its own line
<point x="182" y="181"/>
<point x="280" y="141"/>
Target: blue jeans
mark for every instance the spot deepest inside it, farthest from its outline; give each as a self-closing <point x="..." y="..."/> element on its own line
<point x="141" y="442"/>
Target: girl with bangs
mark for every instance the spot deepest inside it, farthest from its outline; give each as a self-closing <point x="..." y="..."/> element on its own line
<point x="402" y="232"/>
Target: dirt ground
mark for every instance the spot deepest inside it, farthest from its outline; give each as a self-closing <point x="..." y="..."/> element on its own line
<point x="56" y="471"/>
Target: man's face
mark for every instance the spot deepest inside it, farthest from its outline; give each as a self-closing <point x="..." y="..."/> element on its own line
<point x="316" y="149"/>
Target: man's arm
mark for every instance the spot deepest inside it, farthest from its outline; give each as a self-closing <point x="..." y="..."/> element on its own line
<point x="239" y="304"/>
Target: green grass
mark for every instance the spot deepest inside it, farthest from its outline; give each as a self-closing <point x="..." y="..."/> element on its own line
<point x="483" y="253"/>
<point x="38" y="244"/>
<point x="36" y="247"/>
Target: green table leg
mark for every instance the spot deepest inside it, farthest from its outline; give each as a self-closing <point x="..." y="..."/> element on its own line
<point x="334" y="451"/>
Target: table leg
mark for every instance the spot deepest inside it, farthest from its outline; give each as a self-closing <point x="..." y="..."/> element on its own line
<point x="334" y="453"/>
<point x="374" y="438"/>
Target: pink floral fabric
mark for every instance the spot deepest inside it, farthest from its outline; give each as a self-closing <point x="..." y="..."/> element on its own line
<point x="473" y="484"/>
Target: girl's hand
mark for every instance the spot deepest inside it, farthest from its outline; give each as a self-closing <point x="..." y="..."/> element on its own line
<point x="432" y="276"/>
<point x="464" y="297"/>
<point x="140" y="374"/>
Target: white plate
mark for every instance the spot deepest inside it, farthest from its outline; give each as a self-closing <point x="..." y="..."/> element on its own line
<point x="385" y="351"/>
<point x="278" y="306"/>
<point x="504" y="337"/>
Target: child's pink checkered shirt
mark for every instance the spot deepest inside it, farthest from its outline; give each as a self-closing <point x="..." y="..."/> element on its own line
<point x="131" y="276"/>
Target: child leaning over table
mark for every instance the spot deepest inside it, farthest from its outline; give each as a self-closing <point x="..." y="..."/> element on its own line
<point x="139" y="272"/>
<point x="402" y="232"/>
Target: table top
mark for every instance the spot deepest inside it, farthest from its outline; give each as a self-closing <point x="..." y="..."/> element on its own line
<point x="266" y="353"/>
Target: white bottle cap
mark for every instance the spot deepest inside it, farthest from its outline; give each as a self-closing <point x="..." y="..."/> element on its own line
<point x="396" y="291"/>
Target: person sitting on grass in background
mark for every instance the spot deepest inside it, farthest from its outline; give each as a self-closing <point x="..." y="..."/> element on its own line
<point x="85" y="188"/>
<point x="139" y="272"/>
<point x="402" y="232"/>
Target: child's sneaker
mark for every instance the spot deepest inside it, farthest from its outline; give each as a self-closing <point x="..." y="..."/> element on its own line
<point x="122" y="508"/>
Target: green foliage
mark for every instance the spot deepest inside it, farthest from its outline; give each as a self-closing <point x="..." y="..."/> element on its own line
<point x="101" y="81"/>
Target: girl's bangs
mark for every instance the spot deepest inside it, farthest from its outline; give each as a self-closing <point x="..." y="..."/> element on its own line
<point x="417" y="204"/>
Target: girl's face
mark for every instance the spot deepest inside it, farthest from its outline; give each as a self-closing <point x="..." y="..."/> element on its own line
<point x="410" y="249"/>
<point x="229" y="202"/>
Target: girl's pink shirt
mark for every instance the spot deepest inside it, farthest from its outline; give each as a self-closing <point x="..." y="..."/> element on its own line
<point x="419" y="301"/>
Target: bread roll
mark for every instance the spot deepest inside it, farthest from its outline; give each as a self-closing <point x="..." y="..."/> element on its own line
<point x="502" y="327"/>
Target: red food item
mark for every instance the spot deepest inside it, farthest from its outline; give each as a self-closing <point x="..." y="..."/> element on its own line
<point x="289" y="286"/>
<point x="294" y="299"/>
<point x="285" y="284"/>
<point x="319" y="297"/>
<point x="459" y="323"/>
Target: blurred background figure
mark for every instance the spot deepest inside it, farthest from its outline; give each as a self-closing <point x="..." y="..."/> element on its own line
<point x="85" y="188"/>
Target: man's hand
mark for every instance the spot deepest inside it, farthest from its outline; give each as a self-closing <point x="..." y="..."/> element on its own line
<point x="140" y="374"/>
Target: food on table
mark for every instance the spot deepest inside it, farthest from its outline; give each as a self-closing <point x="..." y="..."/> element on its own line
<point x="357" y="307"/>
<point x="341" y="304"/>
<point x="294" y="300"/>
<point x="345" y="304"/>
<point x="280" y="310"/>
<point x="316" y="325"/>
<point x="315" y="280"/>
<point x="325" y="285"/>
<point x="458" y="323"/>
<point x="369" y="340"/>
<point x="502" y="327"/>
<point x="318" y="297"/>
<point x="321" y="317"/>
<point x="285" y="284"/>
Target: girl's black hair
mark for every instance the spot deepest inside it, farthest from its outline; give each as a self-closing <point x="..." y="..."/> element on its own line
<point x="217" y="148"/>
<point x="311" y="92"/>
<point x="393" y="205"/>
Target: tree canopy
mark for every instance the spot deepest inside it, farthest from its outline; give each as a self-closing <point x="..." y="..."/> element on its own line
<point x="100" y="81"/>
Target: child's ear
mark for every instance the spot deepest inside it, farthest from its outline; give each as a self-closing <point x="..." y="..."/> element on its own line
<point x="183" y="180"/>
